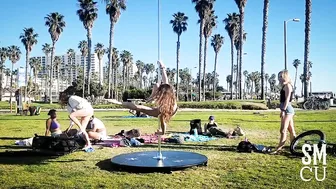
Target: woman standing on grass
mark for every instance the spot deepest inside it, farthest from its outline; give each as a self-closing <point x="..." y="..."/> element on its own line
<point x="78" y="107"/>
<point x="164" y="97"/>
<point x="287" y="110"/>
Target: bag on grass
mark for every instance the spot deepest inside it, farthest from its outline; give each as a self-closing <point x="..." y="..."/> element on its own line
<point x="57" y="146"/>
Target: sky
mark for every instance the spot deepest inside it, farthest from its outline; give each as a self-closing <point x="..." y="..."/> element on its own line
<point x="136" y="31"/>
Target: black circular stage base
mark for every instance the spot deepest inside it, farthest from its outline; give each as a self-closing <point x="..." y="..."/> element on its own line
<point x="147" y="162"/>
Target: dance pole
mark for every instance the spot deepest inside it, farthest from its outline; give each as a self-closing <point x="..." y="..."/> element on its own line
<point x="159" y="155"/>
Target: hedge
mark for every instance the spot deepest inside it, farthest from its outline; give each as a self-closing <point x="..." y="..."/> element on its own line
<point x="235" y="104"/>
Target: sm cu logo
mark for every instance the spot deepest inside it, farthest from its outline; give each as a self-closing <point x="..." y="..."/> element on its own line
<point x="309" y="170"/>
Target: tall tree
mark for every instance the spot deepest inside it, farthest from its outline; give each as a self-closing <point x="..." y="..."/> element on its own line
<point x="296" y="64"/>
<point x="231" y="27"/>
<point x="58" y="62"/>
<point x="216" y="42"/>
<point x="88" y="14"/>
<point x="265" y="79"/>
<point x="115" y="65"/>
<point x="71" y="56"/>
<point x="202" y="7"/>
<point x="237" y="45"/>
<point x="29" y="39"/>
<point x="36" y="66"/>
<point x="113" y="9"/>
<point x="141" y="66"/>
<point x="306" y="46"/>
<point x="302" y="79"/>
<point x="210" y="23"/>
<point x="241" y="6"/>
<point x="14" y="55"/>
<point x="127" y="58"/>
<point x="263" y="48"/>
<point x="46" y="48"/>
<point x="3" y="57"/>
<point x="56" y="24"/>
<point x="179" y="24"/>
<point x="83" y="48"/>
<point x="245" y="73"/>
<point x="100" y="51"/>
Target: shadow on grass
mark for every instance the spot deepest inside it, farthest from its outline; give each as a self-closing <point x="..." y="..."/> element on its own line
<point x="14" y="147"/>
<point x="192" y="147"/>
<point x="12" y="138"/>
<point x="296" y="121"/>
<point x="26" y="157"/>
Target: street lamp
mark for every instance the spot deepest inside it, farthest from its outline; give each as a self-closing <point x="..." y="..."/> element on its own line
<point x="285" y="37"/>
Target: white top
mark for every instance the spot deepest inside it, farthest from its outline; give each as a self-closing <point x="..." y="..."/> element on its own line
<point x="76" y="103"/>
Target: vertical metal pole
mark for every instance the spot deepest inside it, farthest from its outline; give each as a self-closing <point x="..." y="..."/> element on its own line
<point x="285" y="43"/>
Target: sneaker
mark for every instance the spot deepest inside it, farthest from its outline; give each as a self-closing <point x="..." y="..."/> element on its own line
<point x="88" y="149"/>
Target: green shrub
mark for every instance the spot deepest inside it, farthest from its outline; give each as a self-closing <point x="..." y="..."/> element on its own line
<point x="276" y="103"/>
<point x="136" y="94"/>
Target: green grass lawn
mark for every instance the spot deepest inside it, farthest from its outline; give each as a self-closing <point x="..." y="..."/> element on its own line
<point x="226" y="169"/>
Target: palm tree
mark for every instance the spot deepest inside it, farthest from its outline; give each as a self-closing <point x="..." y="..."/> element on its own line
<point x="237" y="46"/>
<point x="56" y="24"/>
<point x="28" y="38"/>
<point x="210" y="23"/>
<point x="241" y="6"/>
<point x="71" y="55"/>
<point x="88" y="14"/>
<point x="46" y="48"/>
<point x="216" y="42"/>
<point x="302" y="79"/>
<point x="265" y="79"/>
<point x="100" y="51"/>
<point x="231" y="26"/>
<point x="58" y="61"/>
<point x="202" y="7"/>
<point x="179" y="24"/>
<point x="14" y="55"/>
<point x="245" y="73"/>
<point x="35" y="65"/>
<point x="296" y="64"/>
<point x="83" y="47"/>
<point x="115" y="64"/>
<point x="228" y="81"/>
<point x="3" y="57"/>
<point x="140" y="65"/>
<point x="306" y="48"/>
<point x="263" y="48"/>
<point x="113" y="9"/>
<point x="126" y="58"/>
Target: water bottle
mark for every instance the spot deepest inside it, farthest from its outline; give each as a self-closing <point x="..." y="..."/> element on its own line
<point x="195" y="132"/>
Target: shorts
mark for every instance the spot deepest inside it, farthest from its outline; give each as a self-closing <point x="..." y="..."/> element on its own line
<point x="56" y="134"/>
<point x="289" y="110"/>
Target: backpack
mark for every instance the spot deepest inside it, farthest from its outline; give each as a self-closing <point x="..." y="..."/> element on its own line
<point x="195" y="124"/>
<point x="57" y="146"/>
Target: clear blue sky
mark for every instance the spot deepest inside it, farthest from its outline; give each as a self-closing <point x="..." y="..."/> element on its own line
<point x="136" y="31"/>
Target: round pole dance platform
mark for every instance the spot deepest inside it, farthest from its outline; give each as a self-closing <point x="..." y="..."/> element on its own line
<point x="147" y="161"/>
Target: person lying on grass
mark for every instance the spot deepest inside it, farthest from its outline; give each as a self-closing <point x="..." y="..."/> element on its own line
<point x="164" y="97"/>
<point x="212" y="128"/>
<point x="54" y="128"/>
<point x="137" y="113"/>
<point x="96" y="129"/>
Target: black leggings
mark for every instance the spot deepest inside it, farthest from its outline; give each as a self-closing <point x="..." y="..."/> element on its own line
<point x="217" y="131"/>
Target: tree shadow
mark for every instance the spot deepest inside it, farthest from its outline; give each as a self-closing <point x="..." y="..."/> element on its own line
<point x="12" y="138"/>
<point x="192" y="147"/>
<point x="27" y="157"/>
<point x="14" y="147"/>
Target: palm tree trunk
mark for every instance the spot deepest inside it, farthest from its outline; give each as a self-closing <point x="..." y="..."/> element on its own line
<point x="177" y="66"/>
<point x="58" y="81"/>
<point x="200" y="59"/>
<point x="89" y="59"/>
<point x="241" y="49"/>
<point x="295" y="80"/>
<point x="263" y="47"/>
<point x="71" y="74"/>
<point x="124" y="73"/>
<point x="214" y="81"/>
<point x="26" y="74"/>
<point x="115" y="83"/>
<point x="302" y="84"/>
<point x="232" y="59"/>
<point x="51" y="70"/>
<point x="204" y="64"/>
<point x="307" y="44"/>
<point x="100" y="79"/>
<point x="110" y="59"/>
<point x="237" y="74"/>
<point x="84" y="70"/>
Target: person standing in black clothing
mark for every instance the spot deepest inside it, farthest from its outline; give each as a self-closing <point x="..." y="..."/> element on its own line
<point x="287" y="110"/>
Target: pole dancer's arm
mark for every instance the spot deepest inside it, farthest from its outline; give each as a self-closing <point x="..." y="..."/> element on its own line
<point x="164" y="78"/>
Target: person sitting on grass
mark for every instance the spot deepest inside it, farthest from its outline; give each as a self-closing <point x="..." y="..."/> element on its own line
<point x="164" y="97"/>
<point x="212" y="128"/>
<point x="133" y="133"/>
<point x="54" y="128"/>
<point x="96" y="129"/>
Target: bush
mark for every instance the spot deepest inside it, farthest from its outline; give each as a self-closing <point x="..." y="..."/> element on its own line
<point x="276" y="103"/>
<point x="136" y="94"/>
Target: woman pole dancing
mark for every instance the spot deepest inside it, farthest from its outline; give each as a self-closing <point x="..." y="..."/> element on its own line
<point x="164" y="98"/>
<point x="287" y="110"/>
<point x="78" y="107"/>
